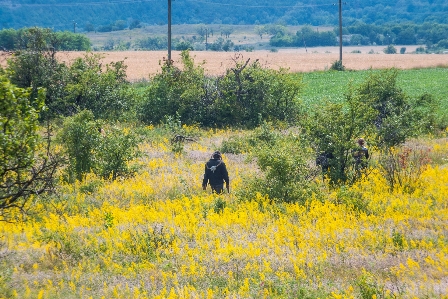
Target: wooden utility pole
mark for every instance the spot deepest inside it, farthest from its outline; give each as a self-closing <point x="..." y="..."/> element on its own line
<point x="169" y="31"/>
<point x="340" y="31"/>
<point x="206" y="36"/>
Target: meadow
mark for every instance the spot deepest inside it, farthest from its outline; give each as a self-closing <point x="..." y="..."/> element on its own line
<point x="157" y="234"/>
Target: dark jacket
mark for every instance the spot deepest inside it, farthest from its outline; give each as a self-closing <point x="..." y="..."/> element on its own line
<point x="361" y="154"/>
<point x="215" y="173"/>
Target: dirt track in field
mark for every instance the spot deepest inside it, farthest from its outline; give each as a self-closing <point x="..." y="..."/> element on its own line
<point x="142" y="64"/>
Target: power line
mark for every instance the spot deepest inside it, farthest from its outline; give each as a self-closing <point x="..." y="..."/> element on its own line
<point x="143" y="1"/>
<point x="78" y="3"/>
<point x="259" y="6"/>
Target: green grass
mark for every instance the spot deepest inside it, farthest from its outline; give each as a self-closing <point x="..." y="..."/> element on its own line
<point x="415" y="82"/>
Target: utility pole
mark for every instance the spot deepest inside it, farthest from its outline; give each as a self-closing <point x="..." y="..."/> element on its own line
<point x="206" y="36"/>
<point x="74" y="26"/>
<point x="340" y="31"/>
<point x="169" y="31"/>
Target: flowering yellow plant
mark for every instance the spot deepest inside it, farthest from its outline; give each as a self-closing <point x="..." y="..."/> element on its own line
<point x="159" y="235"/>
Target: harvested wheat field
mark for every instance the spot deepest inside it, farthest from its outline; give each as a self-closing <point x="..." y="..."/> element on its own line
<point x="142" y="64"/>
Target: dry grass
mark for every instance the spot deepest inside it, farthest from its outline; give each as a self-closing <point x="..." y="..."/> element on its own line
<point x="142" y="64"/>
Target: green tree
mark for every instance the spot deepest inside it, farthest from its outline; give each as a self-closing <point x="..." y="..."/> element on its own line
<point x="102" y="90"/>
<point x="390" y="50"/>
<point x="26" y="170"/>
<point x="8" y="39"/>
<point x="395" y="119"/>
<point x="116" y="148"/>
<point x="175" y="90"/>
<point x="35" y="65"/>
<point x="248" y="92"/>
<point x="226" y="31"/>
<point x="80" y="136"/>
<point x="333" y="129"/>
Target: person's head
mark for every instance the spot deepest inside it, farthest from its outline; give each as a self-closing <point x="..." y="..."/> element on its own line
<point x="217" y="155"/>
<point x="361" y="141"/>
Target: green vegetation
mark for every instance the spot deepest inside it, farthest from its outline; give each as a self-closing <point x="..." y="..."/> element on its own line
<point x="11" y="39"/>
<point x="415" y="83"/>
<point x="25" y="169"/>
<point x="245" y="95"/>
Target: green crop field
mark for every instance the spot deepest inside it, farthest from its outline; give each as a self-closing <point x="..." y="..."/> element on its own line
<point x="415" y="82"/>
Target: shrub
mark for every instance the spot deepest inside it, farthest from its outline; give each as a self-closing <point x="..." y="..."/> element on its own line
<point x="333" y="129"/>
<point x="390" y="50"/>
<point x="80" y="136"/>
<point x="337" y="66"/>
<point x="104" y="92"/>
<point x="248" y="93"/>
<point x="395" y="119"/>
<point x="175" y="91"/>
<point x="287" y="174"/>
<point x="116" y="148"/>
<point x="403" y="167"/>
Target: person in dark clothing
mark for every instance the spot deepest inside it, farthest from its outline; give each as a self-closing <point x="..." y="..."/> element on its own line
<point x="323" y="160"/>
<point x="216" y="174"/>
<point x="361" y="154"/>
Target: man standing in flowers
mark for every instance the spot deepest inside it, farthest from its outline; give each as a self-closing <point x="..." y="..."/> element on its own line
<point x="216" y="174"/>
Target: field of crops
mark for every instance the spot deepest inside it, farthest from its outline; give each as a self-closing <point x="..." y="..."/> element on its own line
<point x="142" y="64"/>
<point x="415" y="82"/>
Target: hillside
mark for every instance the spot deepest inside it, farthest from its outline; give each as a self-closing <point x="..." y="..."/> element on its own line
<point x="80" y="14"/>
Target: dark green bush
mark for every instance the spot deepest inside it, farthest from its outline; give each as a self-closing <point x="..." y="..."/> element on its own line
<point x="92" y="148"/>
<point x="80" y="136"/>
<point x="337" y="66"/>
<point x="246" y="94"/>
<point x="286" y="174"/>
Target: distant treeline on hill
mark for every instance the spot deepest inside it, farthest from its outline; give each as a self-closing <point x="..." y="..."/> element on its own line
<point x="434" y="36"/>
<point x="11" y="39"/>
<point x="103" y="15"/>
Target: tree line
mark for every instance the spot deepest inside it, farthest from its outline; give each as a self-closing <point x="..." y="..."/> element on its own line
<point x="432" y="35"/>
<point x="11" y="39"/>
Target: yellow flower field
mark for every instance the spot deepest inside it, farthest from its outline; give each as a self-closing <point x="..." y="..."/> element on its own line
<point x="157" y="234"/>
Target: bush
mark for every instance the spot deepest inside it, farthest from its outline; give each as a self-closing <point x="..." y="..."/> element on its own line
<point x="395" y="119"/>
<point x="246" y="94"/>
<point x="249" y="93"/>
<point x="337" y="66"/>
<point x="333" y="129"/>
<point x="92" y="148"/>
<point x="104" y="92"/>
<point x="390" y="50"/>
<point x="80" y="136"/>
<point x="117" y="147"/>
<point x="175" y="91"/>
<point x="287" y="175"/>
